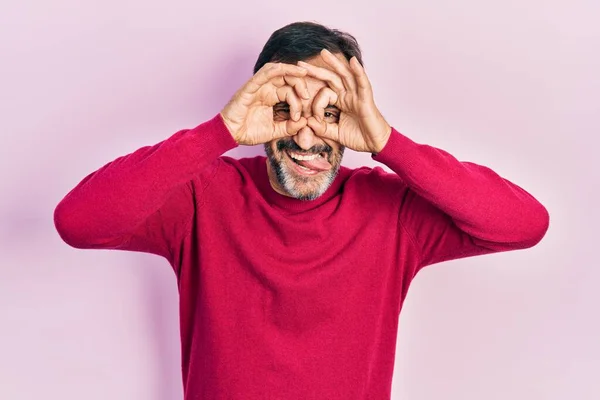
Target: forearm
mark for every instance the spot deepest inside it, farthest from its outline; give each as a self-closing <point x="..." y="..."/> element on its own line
<point x="112" y="201"/>
<point x="480" y="202"/>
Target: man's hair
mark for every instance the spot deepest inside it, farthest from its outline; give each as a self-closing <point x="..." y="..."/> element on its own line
<point x="300" y="41"/>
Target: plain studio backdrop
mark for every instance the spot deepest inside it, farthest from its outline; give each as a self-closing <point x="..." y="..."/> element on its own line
<point x="512" y="85"/>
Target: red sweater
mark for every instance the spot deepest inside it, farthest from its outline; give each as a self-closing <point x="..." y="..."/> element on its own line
<point x="288" y="299"/>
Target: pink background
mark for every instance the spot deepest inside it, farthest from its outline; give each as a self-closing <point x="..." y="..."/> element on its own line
<point x="513" y="85"/>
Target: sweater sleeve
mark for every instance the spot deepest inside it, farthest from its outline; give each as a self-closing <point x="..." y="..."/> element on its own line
<point x="454" y="209"/>
<point x="146" y="200"/>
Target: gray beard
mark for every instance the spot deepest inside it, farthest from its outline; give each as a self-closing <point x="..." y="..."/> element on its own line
<point x="300" y="187"/>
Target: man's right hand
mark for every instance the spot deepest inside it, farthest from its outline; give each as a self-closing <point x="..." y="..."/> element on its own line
<point x="249" y="114"/>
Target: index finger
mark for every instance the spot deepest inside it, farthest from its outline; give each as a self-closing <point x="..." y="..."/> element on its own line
<point x="330" y="77"/>
<point x="299" y="84"/>
<point x="273" y="70"/>
<point x="340" y="67"/>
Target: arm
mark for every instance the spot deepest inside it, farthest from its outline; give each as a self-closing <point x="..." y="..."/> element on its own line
<point x="451" y="209"/>
<point x="457" y="209"/>
<point x="144" y="201"/>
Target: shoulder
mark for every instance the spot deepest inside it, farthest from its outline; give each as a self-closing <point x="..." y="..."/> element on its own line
<point x="373" y="176"/>
<point x="244" y="165"/>
<point x="374" y="183"/>
<point x="230" y="170"/>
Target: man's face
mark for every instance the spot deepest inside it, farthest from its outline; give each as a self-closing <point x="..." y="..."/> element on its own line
<point x="303" y="166"/>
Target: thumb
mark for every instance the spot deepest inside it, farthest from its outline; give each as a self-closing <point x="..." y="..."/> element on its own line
<point x="289" y="127"/>
<point x="323" y="129"/>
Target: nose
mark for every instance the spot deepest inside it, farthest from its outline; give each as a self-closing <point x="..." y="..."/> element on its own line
<point x="306" y="138"/>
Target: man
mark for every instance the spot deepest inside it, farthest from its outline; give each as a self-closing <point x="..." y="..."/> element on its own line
<point x="291" y="268"/>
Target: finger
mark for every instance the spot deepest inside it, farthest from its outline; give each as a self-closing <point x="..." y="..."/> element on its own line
<point x="289" y="96"/>
<point x="288" y="128"/>
<point x="292" y="127"/>
<point x="341" y="68"/>
<point x="331" y="78"/>
<point x="299" y="85"/>
<point x="364" y="85"/>
<point x="323" y="129"/>
<point x="324" y="98"/>
<point x="270" y="71"/>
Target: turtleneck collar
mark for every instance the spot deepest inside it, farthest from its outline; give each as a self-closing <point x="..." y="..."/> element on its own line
<point x="292" y="204"/>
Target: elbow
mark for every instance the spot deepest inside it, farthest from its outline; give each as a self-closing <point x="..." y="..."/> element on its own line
<point x="520" y="231"/>
<point x="535" y="227"/>
<point x="69" y="227"/>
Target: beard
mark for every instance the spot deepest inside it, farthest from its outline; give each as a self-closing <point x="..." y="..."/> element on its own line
<point x="294" y="184"/>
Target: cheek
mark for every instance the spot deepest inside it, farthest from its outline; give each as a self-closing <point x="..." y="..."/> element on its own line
<point x="338" y="154"/>
<point x="271" y="148"/>
<point x="335" y="146"/>
<point x="278" y="154"/>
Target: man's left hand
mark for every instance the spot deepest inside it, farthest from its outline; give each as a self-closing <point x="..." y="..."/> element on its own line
<point x="361" y="127"/>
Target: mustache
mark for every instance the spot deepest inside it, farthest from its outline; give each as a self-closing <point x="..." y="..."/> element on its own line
<point x="289" y="144"/>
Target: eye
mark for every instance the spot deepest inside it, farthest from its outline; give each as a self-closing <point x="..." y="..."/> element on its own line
<point x="281" y="112"/>
<point x="331" y="116"/>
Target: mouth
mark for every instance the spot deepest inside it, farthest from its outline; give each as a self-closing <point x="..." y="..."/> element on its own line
<point x="308" y="164"/>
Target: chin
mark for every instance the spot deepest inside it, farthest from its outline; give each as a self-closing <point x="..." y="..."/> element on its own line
<point x="299" y="192"/>
<point x="302" y="187"/>
<point x="298" y="183"/>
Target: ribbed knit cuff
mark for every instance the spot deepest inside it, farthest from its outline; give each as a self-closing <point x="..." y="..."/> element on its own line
<point x="398" y="152"/>
<point x="214" y="135"/>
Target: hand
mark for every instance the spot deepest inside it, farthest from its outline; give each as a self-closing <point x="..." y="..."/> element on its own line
<point x="249" y="114"/>
<point x="361" y="127"/>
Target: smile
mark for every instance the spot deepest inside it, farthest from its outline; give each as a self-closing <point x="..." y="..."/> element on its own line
<point x="301" y="157"/>
<point x="294" y="159"/>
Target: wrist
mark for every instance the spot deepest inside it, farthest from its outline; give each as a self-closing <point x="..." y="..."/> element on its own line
<point x="385" y="137"/>
<point x="230" y="127"/>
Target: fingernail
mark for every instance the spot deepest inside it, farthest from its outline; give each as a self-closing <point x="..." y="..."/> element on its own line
<point x="297" y="116"/>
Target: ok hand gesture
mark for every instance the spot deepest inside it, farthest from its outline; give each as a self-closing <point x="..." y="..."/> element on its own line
<point x="361" y="126"/>
<point x="249" y="114"/>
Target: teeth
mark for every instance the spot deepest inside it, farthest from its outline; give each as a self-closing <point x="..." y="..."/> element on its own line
<point x="304" y="158"/>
